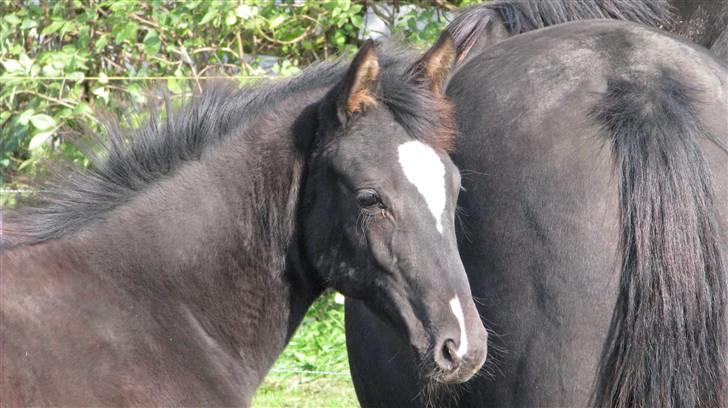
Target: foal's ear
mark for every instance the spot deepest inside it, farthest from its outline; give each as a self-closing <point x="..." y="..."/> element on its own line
<point x="359" y="89"/>
<point x="435" y="65"/>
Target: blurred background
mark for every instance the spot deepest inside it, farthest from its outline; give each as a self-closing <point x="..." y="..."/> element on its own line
<point x="65" y="63"/>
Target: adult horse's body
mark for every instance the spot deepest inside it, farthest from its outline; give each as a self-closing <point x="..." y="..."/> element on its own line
<point x="594" y="228"/>
<point x="175" y="272"/>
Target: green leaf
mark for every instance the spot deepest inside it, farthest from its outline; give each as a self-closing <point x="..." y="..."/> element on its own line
<point x="128" y="33"/>
<point x="230" y="19"/>
<point x="103" y="78"/>
<point x="52" y="27"/>
<point x="12" y="19"/>
<point x="24" y="117"/>
<point x="76" y="76"/>
<point x="28" y="23"/>
<point x="212" y="13"/>
<point x="245" y="12"/>
<point x="102" y="93"/>
<point x="152" y="44"/>
<point x="357" y="21"/>
<point x="12" y="66"/>
<point x="101" y="42"/>
<point x="26" y="62"/>
<point x="39" y="139"/>
<point x="42" y="121"/>
<point x="339" y="38"/>
<point x="82" y="108"/>
<point x="277" y="20"/>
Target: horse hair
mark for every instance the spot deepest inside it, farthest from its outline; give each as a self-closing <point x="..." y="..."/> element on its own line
<point x="520" y="16"/>
<point x="666" y="344"/>
<point x="128" y="163"/>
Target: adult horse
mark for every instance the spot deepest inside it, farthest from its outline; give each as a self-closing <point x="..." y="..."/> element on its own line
<point x="174" y="273"/>
<point x="595" y="217"/>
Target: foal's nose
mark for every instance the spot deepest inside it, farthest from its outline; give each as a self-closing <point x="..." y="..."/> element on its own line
<point x="460" y="350"/>
<point x="446" y="356"/>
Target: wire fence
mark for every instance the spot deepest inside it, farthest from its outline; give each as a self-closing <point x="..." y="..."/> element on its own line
<point x="19" y="191"/>
<point x="287" y="371"/>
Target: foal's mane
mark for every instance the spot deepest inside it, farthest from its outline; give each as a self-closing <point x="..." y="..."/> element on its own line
<point x="520" y="16"/>
<point x="129" y="162"/>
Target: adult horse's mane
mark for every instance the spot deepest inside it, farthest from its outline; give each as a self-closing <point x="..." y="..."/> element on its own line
<point x="520" y="16"/>
<point x="131" y="161"/>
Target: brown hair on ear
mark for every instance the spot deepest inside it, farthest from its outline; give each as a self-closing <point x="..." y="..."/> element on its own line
<point x="435" y="64"/>
<point x="361" y="80"/>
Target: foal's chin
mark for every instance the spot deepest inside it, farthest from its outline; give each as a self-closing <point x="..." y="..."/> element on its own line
<point x="440" y="388"/>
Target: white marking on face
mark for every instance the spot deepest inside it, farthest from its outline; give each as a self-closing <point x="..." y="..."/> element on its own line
<point x="423" y="168"/>
<point x="457" y="310"/>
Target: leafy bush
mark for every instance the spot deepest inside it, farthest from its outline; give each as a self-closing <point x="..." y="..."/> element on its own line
<point x="63" y="60"/>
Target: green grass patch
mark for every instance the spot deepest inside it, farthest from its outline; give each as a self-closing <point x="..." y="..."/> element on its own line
<point x="313" y="370"/>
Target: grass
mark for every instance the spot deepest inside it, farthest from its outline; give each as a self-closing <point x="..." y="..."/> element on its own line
<point x="313" y="371"/>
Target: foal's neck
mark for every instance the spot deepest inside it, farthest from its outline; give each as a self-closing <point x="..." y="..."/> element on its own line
<point x="212" y="250"/>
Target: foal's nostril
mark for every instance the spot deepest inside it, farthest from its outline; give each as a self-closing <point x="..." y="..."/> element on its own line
<point x="450" y="359"/>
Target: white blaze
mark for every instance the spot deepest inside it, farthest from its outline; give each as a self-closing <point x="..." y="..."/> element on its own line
<point x="423" y="168"/>
<point x="457" y="310"/>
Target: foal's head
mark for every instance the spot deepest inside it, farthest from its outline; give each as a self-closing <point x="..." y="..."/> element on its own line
<point x="380" y="207"/>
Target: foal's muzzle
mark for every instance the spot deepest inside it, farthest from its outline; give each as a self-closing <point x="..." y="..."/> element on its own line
<point x="452" y="367"/>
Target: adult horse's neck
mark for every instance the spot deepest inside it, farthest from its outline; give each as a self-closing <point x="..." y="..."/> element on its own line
<point x="212" y="252"/>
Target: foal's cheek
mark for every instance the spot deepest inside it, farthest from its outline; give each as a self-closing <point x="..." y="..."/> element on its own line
<point x="382" y="238"/>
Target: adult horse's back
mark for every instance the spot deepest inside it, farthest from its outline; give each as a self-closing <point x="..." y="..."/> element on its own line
<point x="595" y="217"/>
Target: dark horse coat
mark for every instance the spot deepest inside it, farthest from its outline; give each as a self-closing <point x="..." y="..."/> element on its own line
<point x="595" y="217"/>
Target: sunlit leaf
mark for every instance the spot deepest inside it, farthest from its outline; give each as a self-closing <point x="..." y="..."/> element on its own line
<point x="230" y="19"/>
<point x="76" y="76"/>
<point x="12" y="66"/>
<point x="42" y="121"/>
<point x="52" y="27"/>
<point x="39" y="139"/>
<point x="244" y="11"/>
<point x="12" y="19"/>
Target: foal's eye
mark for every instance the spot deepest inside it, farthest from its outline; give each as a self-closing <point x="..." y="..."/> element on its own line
<point x="368" y="199"/>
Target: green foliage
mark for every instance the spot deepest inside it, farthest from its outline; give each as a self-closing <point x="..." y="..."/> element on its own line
<point x="60" y="61"/>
